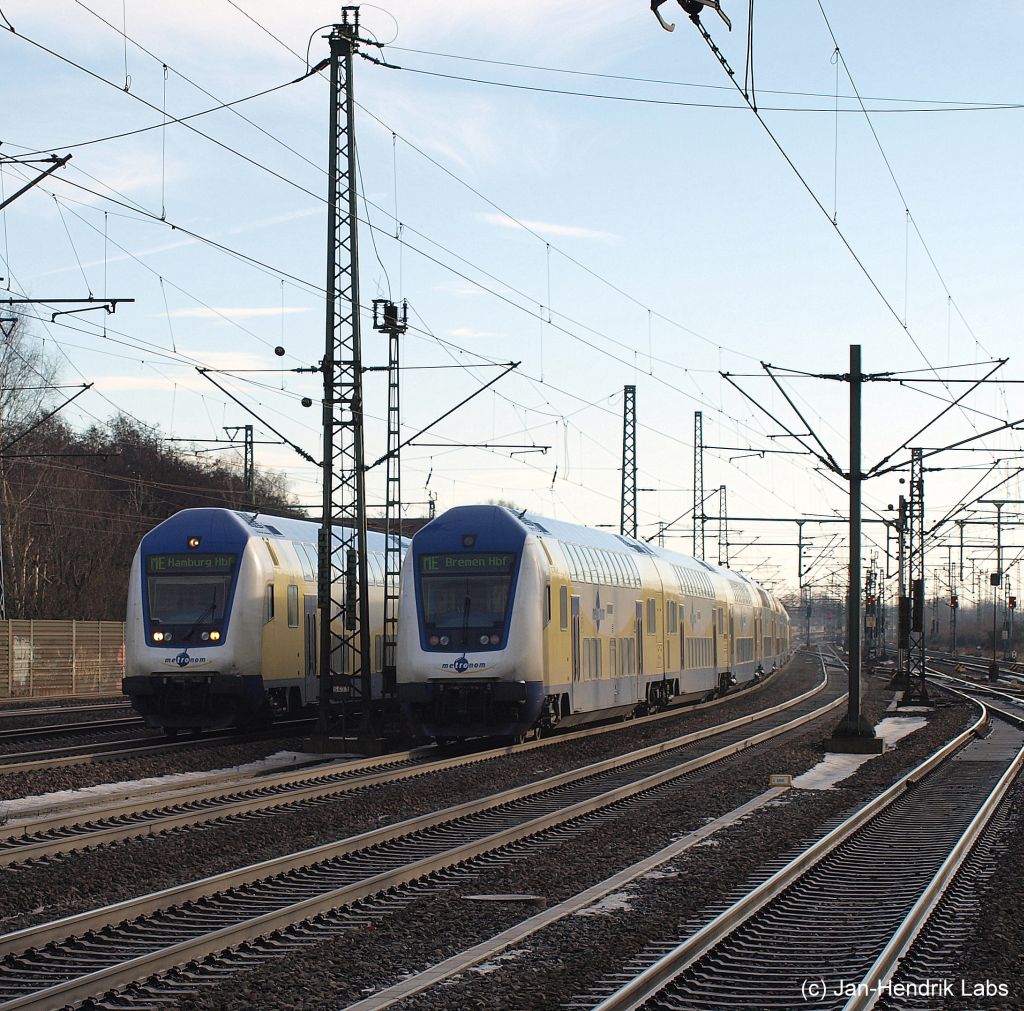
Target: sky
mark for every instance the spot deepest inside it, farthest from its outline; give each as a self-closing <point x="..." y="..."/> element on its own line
<point x="568" y="187"/>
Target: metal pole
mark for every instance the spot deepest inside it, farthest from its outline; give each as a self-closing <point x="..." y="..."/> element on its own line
<point x="854" y="727"/>
<point x="854" y="623"/>
<point x="997" y="579"/>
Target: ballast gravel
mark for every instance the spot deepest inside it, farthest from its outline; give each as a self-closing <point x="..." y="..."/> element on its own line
<point x="13" y="719"/>
<point x="199" y="756"/>
<point x="9" y="704"/>
<point x="571" y="955"/>
<point x="81" y="880"/>
<point x="994" y="951"/>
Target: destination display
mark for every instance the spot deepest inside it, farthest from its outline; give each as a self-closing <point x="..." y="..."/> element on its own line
<point x="172" y="565"/>
<point x="467" y="564"/>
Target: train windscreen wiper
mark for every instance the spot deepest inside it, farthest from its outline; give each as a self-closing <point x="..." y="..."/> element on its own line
<point x="465" y="620"/>
<point x="196" y="623"/>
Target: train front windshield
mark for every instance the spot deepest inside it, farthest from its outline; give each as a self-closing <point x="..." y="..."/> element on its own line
<point x="188" y="593"/>
<point x="465" y="599"/>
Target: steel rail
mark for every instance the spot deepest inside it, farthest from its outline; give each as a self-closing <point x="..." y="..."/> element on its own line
<point x="64" y="729"/>
<point x="885" y="966"/>
<point x="555" y="813"/>
<point x="659" y="975"/>
<point x="18" y="840"/>
<point x="95" y="919"/>
<point x="10" y="713"/>
<point x="85" y="754"/>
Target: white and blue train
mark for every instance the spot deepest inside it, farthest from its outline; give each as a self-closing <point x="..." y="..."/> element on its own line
<point x="222" y="619"/>
<point x="510" y="622"/>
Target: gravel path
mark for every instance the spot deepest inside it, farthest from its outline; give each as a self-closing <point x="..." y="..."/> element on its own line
<point x="565" y="958"/>
<point x="81" y="880"/>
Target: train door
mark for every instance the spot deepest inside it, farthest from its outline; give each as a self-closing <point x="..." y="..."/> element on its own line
<point x="714" y="637"/>
<point x="312" y="686"/>
<point x="640" y="637"/>
<point x="575" y="639"/>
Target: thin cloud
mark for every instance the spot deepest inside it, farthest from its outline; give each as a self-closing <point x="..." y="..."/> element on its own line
<point x="463" y="331"/>
<point x="546" y="227"/>
<point x="229" y="360"/>
<point x="236" y="312"/>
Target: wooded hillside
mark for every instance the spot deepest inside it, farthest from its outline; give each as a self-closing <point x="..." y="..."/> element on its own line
<point x="74" y="505"/>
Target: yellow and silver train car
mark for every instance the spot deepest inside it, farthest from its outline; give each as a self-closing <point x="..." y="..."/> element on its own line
<point x="510" y="621"/>
<point x="222" y="619"/>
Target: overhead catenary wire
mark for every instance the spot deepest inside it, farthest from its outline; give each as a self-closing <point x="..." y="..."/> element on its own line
<point x="549" y="300"/>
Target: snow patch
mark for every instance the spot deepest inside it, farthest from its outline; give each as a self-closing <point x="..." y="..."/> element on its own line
<point x="27" y="807"/>
<point x="835" y="768"/>
<point x="614" y="903"/>
<point x="484" y="968"/>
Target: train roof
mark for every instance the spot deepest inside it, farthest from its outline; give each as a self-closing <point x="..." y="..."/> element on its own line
<point x="574" y="533"/>
<point x="255" y="524"/>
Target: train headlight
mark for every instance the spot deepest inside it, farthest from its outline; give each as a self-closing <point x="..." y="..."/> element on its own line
<point x="444" y="640"/>
<point x="205" y="636"/>
<point x="495" y="639"/>
<point x="158" y="637"/>
<point x="194" y="542"/>
<point x="215" y="635"/>
<point x="484" y="640"/>
<point x="433" y="640"/>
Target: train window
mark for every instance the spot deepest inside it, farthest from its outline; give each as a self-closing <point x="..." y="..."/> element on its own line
<point x="570" y="557"/>
<point x="652" y="616"/>
<point x="671" y="618"/>
<point x="622" y="570"/>
<point x="268" y="604"/>
<point x="300" y="553"/>
<point x="273" y="553"/>
<point x="293" y="606"/>
<point x="313" y="556"/>
<point x="563" y="608"/>
<point x="547" y="605"/>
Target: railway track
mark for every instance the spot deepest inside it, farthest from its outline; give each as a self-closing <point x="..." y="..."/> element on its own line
<point x="74" y="827"/>
<point x="68" y="960"/>
<point x="11" y="713"/>
<point x="75" y="754"/>
<point x="68" y="729"/>
<point x="827" y="928"/>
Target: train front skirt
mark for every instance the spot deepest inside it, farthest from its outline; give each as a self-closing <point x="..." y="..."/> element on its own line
<point x="210" y="700"/>
<point x="457" y="709"/>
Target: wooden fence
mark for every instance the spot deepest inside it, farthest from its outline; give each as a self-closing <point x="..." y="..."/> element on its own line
<point x="41" y="658"/>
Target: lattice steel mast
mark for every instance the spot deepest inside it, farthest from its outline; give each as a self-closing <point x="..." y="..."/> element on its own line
<point x="388" y="320"/>
<point x="248" y="462"/>
<point x="627" y="514"/>
<point x="698" y="484"/>
<point x="723" y="528"/>
<point x="917" y="688"/>
<point x="342" y="578"/>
